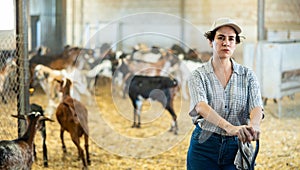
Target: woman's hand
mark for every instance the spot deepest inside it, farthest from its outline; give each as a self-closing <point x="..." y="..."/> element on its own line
<point x="244" y="132"/>
<point x="255" y="131"/>
<point x="247" y="133"/>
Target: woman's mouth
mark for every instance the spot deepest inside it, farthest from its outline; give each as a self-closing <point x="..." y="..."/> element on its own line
<point x="225" y="50"/>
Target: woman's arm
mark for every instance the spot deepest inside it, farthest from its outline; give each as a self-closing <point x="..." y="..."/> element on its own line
<point x="244" y="132"/>
<point x="256" y="115"/>
<point x="255" y="105"/>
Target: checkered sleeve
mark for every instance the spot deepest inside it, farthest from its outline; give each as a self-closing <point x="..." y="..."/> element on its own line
<point x="254" y="92"/>
<point x="197" y="91"/>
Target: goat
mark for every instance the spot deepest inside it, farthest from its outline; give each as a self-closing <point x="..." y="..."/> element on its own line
<point x="186" y="68"/>
<point x="7" y="79"/>
<point x="18" y="153"/>
<point x="102" y="69"/>
<point x="57" y="62"/>
<point x="177" y="50"/>
<point x="143" y="86"/>
<point x="72" y="117"/>
<point x="37" y="108"/>
<point x="40" y="51"/>
<point x="46" y="78"/>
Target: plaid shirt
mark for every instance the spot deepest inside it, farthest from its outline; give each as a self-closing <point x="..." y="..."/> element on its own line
<point x="234" y="103"/>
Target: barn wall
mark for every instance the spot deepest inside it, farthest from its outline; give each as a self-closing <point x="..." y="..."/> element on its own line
<point x="88" y="16"/>
<point x="51" y="16"/>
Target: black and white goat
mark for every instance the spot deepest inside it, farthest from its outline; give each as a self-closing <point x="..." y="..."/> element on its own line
<point x="18" y="153"/>
<point x="146" y="87"/>
<point x="37" y="108"/>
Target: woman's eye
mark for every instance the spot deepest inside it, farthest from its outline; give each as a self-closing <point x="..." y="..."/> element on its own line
<point x="221" y="38"/>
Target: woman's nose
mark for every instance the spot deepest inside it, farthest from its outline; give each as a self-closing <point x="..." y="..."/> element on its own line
<point x="225" y="42"/>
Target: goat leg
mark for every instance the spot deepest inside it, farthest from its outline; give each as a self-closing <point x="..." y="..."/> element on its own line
<point x="34" y="153"/>
<point x="62" y="140"/>
<point x="139" y="121"/>
<point x="87" y="149"/>
<point x="134" y="117"/>
<point x="139" y="108"/>
<point x="45" y="153"/>
<point x="76" y="141"/>
<point x="43" y="134"/>
<point x="176" y="128"/>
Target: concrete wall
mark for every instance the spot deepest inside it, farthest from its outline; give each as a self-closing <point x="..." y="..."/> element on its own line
<point x="51" y="17"/>
<point x="279" y="14"/>
<point x="85" y="18"/>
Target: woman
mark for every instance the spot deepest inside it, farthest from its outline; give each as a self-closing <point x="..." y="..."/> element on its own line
<point x="225" y="101"/>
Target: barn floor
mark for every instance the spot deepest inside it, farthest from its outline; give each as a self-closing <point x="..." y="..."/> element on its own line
<point x="115" y="145"/>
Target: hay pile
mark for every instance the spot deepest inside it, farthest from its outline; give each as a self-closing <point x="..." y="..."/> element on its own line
<point x="115" y="145"/>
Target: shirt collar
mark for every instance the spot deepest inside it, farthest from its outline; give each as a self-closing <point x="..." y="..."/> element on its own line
<point x="236" y="67"/>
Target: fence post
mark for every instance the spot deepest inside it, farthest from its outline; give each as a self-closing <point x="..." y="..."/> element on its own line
<point x="22" y="62"/>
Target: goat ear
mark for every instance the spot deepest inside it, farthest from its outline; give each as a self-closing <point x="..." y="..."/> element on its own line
<point x="19" y="116"/>
<point x="58" y="80"/>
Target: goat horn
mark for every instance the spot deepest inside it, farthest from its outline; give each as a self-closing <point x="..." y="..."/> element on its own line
<point x="19" y="116"/>
<point x="64" y="82"/>
<point x="47" y="119"/>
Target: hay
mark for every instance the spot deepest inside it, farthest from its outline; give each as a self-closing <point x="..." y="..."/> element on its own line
<point x="280" y="138"/>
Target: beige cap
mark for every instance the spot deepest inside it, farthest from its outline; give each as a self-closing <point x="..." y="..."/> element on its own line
<point x="225" y="22"/>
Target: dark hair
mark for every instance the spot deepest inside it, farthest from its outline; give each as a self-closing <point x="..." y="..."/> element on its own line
<point x="210" y="35"/>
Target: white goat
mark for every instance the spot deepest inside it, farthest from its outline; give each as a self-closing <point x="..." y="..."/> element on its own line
<point x="186" y="68"/>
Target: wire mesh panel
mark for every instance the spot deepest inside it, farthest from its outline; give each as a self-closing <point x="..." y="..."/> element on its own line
<point x="8" y="87"/>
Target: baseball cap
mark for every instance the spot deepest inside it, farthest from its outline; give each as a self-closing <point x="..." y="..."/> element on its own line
<point x="225" y="22"/>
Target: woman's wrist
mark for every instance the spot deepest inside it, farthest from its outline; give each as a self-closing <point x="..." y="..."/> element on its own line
<point x="225" y="125"/>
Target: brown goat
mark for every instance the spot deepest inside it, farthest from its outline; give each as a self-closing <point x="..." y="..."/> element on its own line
<point x="18" y="153"/>
<point x="72" y="116"/>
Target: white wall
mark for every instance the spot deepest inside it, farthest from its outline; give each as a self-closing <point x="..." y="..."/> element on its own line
<point x="279" y="15"/>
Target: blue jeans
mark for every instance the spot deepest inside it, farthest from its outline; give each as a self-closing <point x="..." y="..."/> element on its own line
<point x="216" y="152"/>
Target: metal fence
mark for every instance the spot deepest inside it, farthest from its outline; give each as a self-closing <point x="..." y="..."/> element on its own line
<point x="8" y="87"/>
<point x="14" y="75"/>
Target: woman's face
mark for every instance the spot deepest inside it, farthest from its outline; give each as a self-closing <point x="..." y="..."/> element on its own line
<point x="224" y="42"/>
